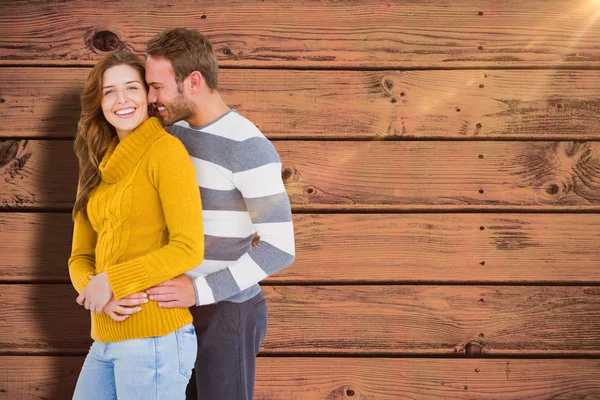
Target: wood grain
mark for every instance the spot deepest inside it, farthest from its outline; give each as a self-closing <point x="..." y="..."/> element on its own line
<point x="376" y="320"/>
<point x="287" y="104"/>
<point x="324" y="34"/>
<point x="364" y="175"/>
<point x="281" y="378"/>
<point x="371" y="248"/>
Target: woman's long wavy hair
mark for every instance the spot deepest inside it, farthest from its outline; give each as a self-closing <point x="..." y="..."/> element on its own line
<point x="94" y="133"/>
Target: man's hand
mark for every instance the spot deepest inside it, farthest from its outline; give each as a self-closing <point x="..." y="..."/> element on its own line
<point x="96" y="294"/>
<point x="120" y="310"/>
<point x="176" y="292"/>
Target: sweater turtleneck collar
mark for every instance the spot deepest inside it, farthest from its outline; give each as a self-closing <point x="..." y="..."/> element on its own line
<point x="121" y="156"/>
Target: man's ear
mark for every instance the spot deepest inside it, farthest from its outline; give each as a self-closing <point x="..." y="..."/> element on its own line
<point x="196" y="81"/>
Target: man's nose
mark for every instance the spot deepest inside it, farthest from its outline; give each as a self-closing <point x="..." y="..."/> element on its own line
<point x="151" y="98"/>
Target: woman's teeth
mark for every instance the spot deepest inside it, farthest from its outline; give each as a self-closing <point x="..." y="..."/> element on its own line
<point x="125" y="111"/>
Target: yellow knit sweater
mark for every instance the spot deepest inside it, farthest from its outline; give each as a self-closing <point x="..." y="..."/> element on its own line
<point x="144" y="227"/>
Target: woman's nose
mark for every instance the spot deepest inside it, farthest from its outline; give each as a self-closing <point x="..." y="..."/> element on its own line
<point x="121" y="97"/>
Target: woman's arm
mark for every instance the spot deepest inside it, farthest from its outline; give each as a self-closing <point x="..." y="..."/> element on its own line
<point x="82" y="263"/>
<point x="174" y="176"/>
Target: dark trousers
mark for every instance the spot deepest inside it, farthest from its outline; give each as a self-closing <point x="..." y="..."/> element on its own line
<point x="229" y="338"/>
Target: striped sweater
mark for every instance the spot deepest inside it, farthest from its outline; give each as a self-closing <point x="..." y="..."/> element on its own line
<point x="239" y="174"/>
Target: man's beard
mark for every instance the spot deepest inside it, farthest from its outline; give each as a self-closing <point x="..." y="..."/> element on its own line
<point x="179" y="109"/>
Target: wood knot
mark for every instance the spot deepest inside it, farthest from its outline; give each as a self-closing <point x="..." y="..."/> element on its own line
<point x="388" y="85"/>
<point x="473" y="348"/>
<point x="310" y="190"/>
<point x="286" y="174"/>
<point x="8" y="151"/>
<point x="2" y="100"/>
<point x="350" y="393"/>
<point x="227" y="51"/>
<point x="106" y="41"/>
<point x="552" y="189"/>
<point x="203" y="16"/>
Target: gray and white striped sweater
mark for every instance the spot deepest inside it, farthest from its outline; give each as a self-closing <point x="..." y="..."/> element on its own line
<point x="239" y="174"/>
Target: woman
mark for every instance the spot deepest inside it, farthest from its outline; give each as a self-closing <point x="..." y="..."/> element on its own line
<point x="138" y="222"/>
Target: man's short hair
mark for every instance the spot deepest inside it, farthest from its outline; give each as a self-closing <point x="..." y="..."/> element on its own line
<point x="188" y="51"/>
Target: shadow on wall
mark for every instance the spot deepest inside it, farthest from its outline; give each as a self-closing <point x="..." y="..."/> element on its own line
<point x="63" y="326"/>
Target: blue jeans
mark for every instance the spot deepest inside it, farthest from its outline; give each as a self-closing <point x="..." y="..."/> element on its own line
<point x="155" y="368"/>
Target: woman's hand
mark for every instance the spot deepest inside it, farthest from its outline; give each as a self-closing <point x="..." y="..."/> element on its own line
<point x="96" y="294"/>
<point x="120" y="310"/>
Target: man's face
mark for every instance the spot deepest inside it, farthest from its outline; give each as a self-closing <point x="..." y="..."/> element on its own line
<point x="167" y="96"/>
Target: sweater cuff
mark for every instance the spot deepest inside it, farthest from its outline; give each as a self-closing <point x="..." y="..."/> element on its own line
<point x="204" y="294"/>
<point x="127" y="278"/>
<point x="80" y="281"/>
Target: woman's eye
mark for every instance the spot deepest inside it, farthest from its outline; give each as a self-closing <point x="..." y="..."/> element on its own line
<point x="132" y="88"/>
<point x="108" y="92"/>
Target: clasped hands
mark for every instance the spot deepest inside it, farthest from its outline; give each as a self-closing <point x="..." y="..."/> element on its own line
<point x="98" y="296"/>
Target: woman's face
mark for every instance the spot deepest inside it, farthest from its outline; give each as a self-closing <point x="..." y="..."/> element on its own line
<point x="124" y="101"/>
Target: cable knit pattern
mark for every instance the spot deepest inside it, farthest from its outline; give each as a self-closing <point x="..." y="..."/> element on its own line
<point x="144" y="227"/>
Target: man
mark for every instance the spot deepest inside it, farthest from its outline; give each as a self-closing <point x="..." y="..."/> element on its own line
<point x="239" y="175"/>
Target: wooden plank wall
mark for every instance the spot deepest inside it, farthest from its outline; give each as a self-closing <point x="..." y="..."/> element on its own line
<point x="442" y="158"/>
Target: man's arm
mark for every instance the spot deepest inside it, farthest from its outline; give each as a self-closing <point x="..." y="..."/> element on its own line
<point x="257" y="175"/>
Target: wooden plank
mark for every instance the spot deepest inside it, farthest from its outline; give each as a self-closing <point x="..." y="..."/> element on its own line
<point x="371" y="248"/>
<point x="372" y="33"/>
<point x="438" y="175"/>
<point x="379" y="320"/>
<point x="37" y="174"/>
<point x="285" y="104"/>
<point x="33" y="377"/>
